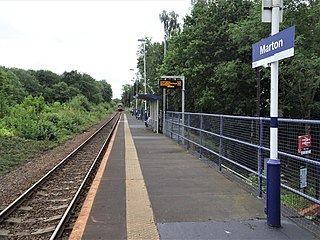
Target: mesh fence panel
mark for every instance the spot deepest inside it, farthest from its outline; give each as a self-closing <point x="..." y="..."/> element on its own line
<point x="241" y="145"/>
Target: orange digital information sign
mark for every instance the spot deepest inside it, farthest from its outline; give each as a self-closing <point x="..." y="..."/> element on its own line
<point x="170" y="84"/>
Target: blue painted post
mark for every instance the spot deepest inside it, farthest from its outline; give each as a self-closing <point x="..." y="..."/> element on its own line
<point x="166" y="124"/>
<point x="188" y="129"/>
<point x="145" y="115"/>
<point x="273" y="165"/>
<point x="220" y="144"/>
<point x="260" y="160"/>
<point x="317" y="181"/>
<point x="179" y="128"/>
<point x="201" y="135"/>
<point x="171" y="125"/>
<point x="273" y="193"/>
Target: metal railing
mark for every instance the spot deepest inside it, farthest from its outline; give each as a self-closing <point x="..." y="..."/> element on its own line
<point x="241" y="145"/>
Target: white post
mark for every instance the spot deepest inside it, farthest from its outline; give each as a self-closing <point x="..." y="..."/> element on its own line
<point x="135" y="82"/>
<point x="273" y="164"/>
<point x="274" y="86"/>
<point x="157" y="116"/>
<point x="164" y="90"/>
<point x="137" y="95"/>
<point x="145" y="74"/>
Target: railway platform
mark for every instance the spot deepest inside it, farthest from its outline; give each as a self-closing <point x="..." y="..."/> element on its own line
<point x="149" y="187"/>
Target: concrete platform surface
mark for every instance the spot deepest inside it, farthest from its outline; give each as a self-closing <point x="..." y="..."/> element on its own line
<point x="188" y="198"/>
<point x="232" y="230"/>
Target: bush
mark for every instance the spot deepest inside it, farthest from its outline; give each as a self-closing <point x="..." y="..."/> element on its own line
<point x="34" y="119"/>
<point x="5" y="132"/>
<point x="46" y="131"/>
<point x="80" y="103"/>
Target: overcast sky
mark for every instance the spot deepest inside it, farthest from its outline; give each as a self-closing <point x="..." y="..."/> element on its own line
<point x="94" y="37"/>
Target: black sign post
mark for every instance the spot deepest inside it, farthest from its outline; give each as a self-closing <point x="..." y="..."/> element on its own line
<point x="173" y="82"/>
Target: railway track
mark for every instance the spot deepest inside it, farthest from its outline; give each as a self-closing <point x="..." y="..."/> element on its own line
<point x="43" y="211"/>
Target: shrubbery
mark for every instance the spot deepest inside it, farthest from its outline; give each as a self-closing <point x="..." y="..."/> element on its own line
<point x="35" y="119"/>
<point x="40" y="109"/>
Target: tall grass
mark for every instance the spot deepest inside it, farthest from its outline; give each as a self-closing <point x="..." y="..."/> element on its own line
<point x="33" y="126"/>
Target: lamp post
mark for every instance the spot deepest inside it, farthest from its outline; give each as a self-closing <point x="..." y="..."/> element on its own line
<point x="164" y="89"/>
<point x="135" y="82"/>
<point x="144" y="70"/>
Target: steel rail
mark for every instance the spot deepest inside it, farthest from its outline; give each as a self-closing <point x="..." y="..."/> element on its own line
<point x="66" y="216"/>
<point x="17" y="202"/>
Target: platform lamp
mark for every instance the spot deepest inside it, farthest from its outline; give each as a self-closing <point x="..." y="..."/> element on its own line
<point x="144" y="70"/>
<point x="135" y="82"/>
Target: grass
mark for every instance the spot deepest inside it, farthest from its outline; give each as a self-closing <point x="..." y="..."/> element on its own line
<point x="15" y="151"/>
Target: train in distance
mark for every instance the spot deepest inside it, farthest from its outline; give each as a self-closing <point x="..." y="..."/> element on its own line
<point x="120" y="107"/>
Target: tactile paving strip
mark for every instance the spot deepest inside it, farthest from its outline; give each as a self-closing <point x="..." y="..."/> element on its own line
<point x="140" y="219"/>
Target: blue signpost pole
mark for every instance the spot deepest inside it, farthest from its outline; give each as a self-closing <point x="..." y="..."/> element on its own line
<point x="273" y="164"/>
<point x="273" y="193"/>
<point x="260" y="160"/>
<point x="270" y="50"/>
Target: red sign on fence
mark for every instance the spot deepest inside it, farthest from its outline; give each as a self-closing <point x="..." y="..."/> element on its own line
<point x="304" y="144"/>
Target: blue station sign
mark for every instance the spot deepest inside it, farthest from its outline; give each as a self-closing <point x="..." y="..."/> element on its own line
<point x="274" y="48"/>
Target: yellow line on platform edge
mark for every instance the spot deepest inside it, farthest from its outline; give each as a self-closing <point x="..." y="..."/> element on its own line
<point x="79" y="227"/>
<point x="139" y="214"/>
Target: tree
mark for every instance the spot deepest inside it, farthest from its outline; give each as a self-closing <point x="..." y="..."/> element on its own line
<point x="19" y="91"/>
<point x="90" y="88"/>
<point x="170" y="23"/>
<point x="71" y="78"/>
<point x="86" y="85"/>
<point x="299" y="75"/>
<point x="154" y="59"/>
<point x="47" y="79"/>
<point x="127" y="94"/>
<point x="200" y="50"/>
<point x="6" y="93"/>
<point x="62" y="93"/>
<point x="29" y="81"/>
<point x="106" y="90"/>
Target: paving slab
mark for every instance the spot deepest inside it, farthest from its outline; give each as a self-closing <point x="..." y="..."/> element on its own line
<point x="189" y="199"/>
<point x="232" y="230"/>
<point x="192" y="200"/>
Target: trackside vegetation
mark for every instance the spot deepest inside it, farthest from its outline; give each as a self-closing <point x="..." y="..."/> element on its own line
<point x="40" y="109"/>
<point x="213" y="52"/>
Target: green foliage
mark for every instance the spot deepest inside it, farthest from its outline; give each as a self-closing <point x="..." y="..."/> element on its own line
<point x="15" y="151"/>
<point x="40" y="108"/>
<point x="106" y="91"/>
<point x="29" y="82"/>
<point x="170" y="23"/>
<point x="294" y="201"/>
<point x="6" y="93"/>
<point x="34" y="119"/>
<point x="33" y="126"/>
<point x="95" y="92"/>
<point x="204" y="55"/>
<point x="213" y="52"/>
<point x="16" y="84"/>
<point x="4" y="132"/>
<point x="300" y="82"/>
<point x="127" y="94"/>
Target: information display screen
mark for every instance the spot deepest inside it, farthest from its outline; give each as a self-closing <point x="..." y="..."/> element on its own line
<point x="170" y="84"/>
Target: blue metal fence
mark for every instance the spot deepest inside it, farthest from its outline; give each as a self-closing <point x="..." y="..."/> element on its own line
<point x="241" y="145"/>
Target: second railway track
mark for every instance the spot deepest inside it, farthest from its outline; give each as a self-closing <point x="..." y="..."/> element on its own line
<point x="44" y="209"/>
